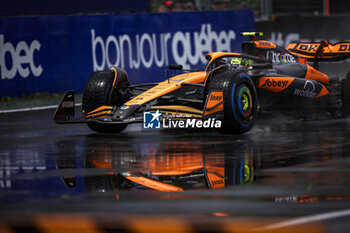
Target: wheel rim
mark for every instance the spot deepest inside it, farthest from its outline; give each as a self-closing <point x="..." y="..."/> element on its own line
<point x="245" y="101"/>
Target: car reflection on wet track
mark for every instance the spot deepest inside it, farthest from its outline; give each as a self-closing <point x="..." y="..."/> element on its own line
<point x="288" y="171"/>
<point x="163" y="166"/>
<point x="177" y="165"/>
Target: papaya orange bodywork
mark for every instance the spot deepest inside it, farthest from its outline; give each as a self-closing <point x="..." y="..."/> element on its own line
<point x="166" y="87"/>
<point x="105" y="113"/>
<point x="217" y="109"/>
<point x="214" y="103"/>
<point x="106" y="108"/>
<point x="316" y="75"/>
<point x="99" y="112"/>
<point x="302" y="60"/>
<point x="323" y="92"/>
<point x="156" y="185"/>
<point x="187" y="161"/>
<point x="178" y="108"/>
<point x="216" y="55"/>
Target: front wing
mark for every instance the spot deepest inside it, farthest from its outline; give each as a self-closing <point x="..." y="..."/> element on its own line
<point x="66" y="112"/>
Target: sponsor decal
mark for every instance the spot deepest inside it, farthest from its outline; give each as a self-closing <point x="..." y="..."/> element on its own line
<point x="68" y="104"/>
<point x="274" y="83"/>
<point x="20" y="58"/>
<point x="266" y="44"/>
<point x="124" y="107"/>
<point x="280" y="57"/>
<point x="307" y="91"/>
<point x="147" y="50"/>
<point x="338" y="47"/>
<point x="176" y="116"/>
<point x="151" y="103"/>
<point x="291" y="199"/>
<point x="215" y="183"/>
<point x="309" y="47"/>
<point x="304" y="93"/>
<point x="214" y="97"/>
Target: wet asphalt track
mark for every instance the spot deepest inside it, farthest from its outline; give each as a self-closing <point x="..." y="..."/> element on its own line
<point x="280" y="174"/>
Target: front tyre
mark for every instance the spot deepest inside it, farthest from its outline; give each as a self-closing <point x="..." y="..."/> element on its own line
<point x="240" y="100"/>
<point x="100" y="91"/>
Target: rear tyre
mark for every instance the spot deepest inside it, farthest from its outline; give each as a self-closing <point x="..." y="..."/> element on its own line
<point x="240" y="100"/>
<point x="345" y="94"/>
<point x="99" y="91"/>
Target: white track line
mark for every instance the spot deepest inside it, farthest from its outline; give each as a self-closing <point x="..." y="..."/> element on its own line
<point x="303" y="220"/>
<point x="32" y="109"/>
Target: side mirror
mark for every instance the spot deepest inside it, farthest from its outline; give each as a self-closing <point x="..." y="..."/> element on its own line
<point x="175" y="67"/>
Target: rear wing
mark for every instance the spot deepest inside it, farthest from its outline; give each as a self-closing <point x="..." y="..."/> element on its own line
<point x="320" y="51"/>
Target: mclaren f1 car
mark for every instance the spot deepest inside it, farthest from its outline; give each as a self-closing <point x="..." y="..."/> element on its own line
<point x="233" y="89"/>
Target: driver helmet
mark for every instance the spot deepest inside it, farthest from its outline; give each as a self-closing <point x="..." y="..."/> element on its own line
<point x="239" y="62"/>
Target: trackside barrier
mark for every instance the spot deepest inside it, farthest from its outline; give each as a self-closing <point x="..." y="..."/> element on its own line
<point x="103" y="223"/>
<point x="56" y="53"/>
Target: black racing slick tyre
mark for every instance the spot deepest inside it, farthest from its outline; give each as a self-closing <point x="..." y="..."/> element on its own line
<point x="240" y="100"/>
<point x="100" y="91"/>
<point x="345" y="94"/>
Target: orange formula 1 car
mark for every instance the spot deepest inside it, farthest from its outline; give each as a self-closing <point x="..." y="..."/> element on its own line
<point x="232" y="91"/>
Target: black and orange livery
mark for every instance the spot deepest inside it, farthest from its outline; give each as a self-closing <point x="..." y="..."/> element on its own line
<point x="233" y="88"/>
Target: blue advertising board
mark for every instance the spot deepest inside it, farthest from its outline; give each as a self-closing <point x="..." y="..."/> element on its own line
<point x="56" y="53"/>
<point x="44" y="7"/>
